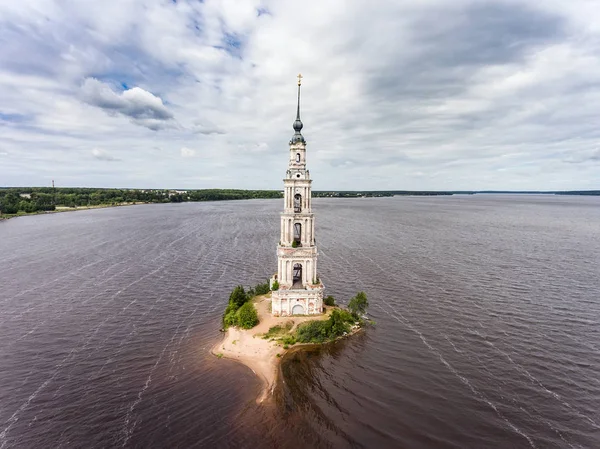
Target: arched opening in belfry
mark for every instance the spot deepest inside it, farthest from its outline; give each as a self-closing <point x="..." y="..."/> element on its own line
<point x="298" y="234"/>
<point x="297" y="157"/>
<point x="297" y="276"/>
<point x="297" y="202"/>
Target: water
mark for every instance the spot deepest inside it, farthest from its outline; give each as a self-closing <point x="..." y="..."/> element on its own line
<point x="487" y="332"/>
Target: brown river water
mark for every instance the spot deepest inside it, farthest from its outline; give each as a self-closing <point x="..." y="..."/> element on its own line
<point x="486" y="335"/>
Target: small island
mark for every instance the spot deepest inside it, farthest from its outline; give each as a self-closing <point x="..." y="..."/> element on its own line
<point x="258" y="339"/>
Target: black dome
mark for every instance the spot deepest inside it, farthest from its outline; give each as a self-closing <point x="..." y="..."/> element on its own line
<point x="298" y="125"/>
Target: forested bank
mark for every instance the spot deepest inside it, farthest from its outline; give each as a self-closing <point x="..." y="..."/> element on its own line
<point x="14" y="201"/>
<point x="26" y="200"/>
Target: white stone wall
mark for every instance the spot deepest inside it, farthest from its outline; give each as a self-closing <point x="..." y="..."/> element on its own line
<point x="310" y="302"/>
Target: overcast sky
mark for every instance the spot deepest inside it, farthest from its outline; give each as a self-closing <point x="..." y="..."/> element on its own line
<point x="421" y="94"/>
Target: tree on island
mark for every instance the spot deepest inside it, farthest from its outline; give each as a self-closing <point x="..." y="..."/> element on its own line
<point x="240" y="310"/>
<point x="247" y="316"/>
<point x="358" y="305"/>
<point x="238" y="296"/>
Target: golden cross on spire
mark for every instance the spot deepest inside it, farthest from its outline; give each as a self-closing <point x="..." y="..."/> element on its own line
<point x="299" y="78"/>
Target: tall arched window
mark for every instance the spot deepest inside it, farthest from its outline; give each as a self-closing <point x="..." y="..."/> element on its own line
<point x="297" y="202"/>
<point x="297" y="157"/>
<point x="298" y="233"/>
<point x="297" y="276"/>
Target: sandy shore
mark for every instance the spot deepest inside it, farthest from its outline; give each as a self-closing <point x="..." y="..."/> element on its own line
<point x="248" y="346"/>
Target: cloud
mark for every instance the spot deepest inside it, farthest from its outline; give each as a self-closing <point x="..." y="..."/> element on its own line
<point x="583" y="157"/>
<point x="206" y="127"/>
<point x="102" y="155"/>
<point x="141" y="106"/>
<point x="409" y="95"/>
<point x="187" y="152"/>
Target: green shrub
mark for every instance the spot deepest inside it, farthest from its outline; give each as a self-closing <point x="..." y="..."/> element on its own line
<point x="229" y="319"/>
<point x="238" y="296"/>
<point x="275" y="286"/>
<point x="313" y="331"/>
<point x="339" y="323"/>
<point x="345" y="315"/>
<point x="289" y="340"/>
<point x="294" y="244"/>
<point x="317" y="331"/>
<point x="246" y="316"/>
<point x="262" y="289"/>
<point x="329" y="301"/>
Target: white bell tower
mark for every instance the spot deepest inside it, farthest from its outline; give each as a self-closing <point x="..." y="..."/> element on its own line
<point x="300" y="289"/>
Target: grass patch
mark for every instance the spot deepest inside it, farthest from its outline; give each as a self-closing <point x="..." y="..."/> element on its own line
<point x="278" y="331"/>
<point x="339" y="323"/>
<point x="219" y="355"/>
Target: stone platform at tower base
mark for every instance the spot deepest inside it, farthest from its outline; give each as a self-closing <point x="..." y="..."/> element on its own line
<point x="297" y="301"/>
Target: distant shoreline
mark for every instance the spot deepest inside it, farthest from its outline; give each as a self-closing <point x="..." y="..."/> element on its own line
<point x="61" y="209"/>
<point x="23" y="201"/>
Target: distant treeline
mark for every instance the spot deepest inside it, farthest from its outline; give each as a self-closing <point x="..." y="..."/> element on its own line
<point x="580" y="192"/>
<point x="21" y="200"/>
<point x="36" y="199"/>
<point x="374" y="193"/>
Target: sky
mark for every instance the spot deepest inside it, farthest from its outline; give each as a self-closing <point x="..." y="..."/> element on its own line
<point x="411" y="95"/>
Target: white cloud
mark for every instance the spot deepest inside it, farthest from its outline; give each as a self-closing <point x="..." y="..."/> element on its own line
<point x="102" y="155"/>
<point x="141" y="106"/>
<point x="408" y="95"/>
<point x="187" y="152"/>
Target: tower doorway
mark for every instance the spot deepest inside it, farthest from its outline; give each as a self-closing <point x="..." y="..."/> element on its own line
<point x="297" y="276"/>
<point x="298" y="309"/>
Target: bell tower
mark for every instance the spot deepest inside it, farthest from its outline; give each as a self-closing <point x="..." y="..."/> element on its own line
<point x="300" y="289"/>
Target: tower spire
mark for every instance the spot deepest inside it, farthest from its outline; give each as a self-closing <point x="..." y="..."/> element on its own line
<point x="299" y="84"/>
<point x="298" y="123"/>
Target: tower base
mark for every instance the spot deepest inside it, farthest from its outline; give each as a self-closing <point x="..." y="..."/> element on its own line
<point x="288" y="302"/>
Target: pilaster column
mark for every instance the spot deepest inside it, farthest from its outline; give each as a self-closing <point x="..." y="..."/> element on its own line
<point x="304" y="272"/>
<point x="305" y="198"/>
<point x="306" y="232"/>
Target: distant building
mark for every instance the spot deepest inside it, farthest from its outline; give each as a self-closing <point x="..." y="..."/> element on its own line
<point x="177" y="192"/>
<point x="25" y="195"/>
<point x="300" y="289"/>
